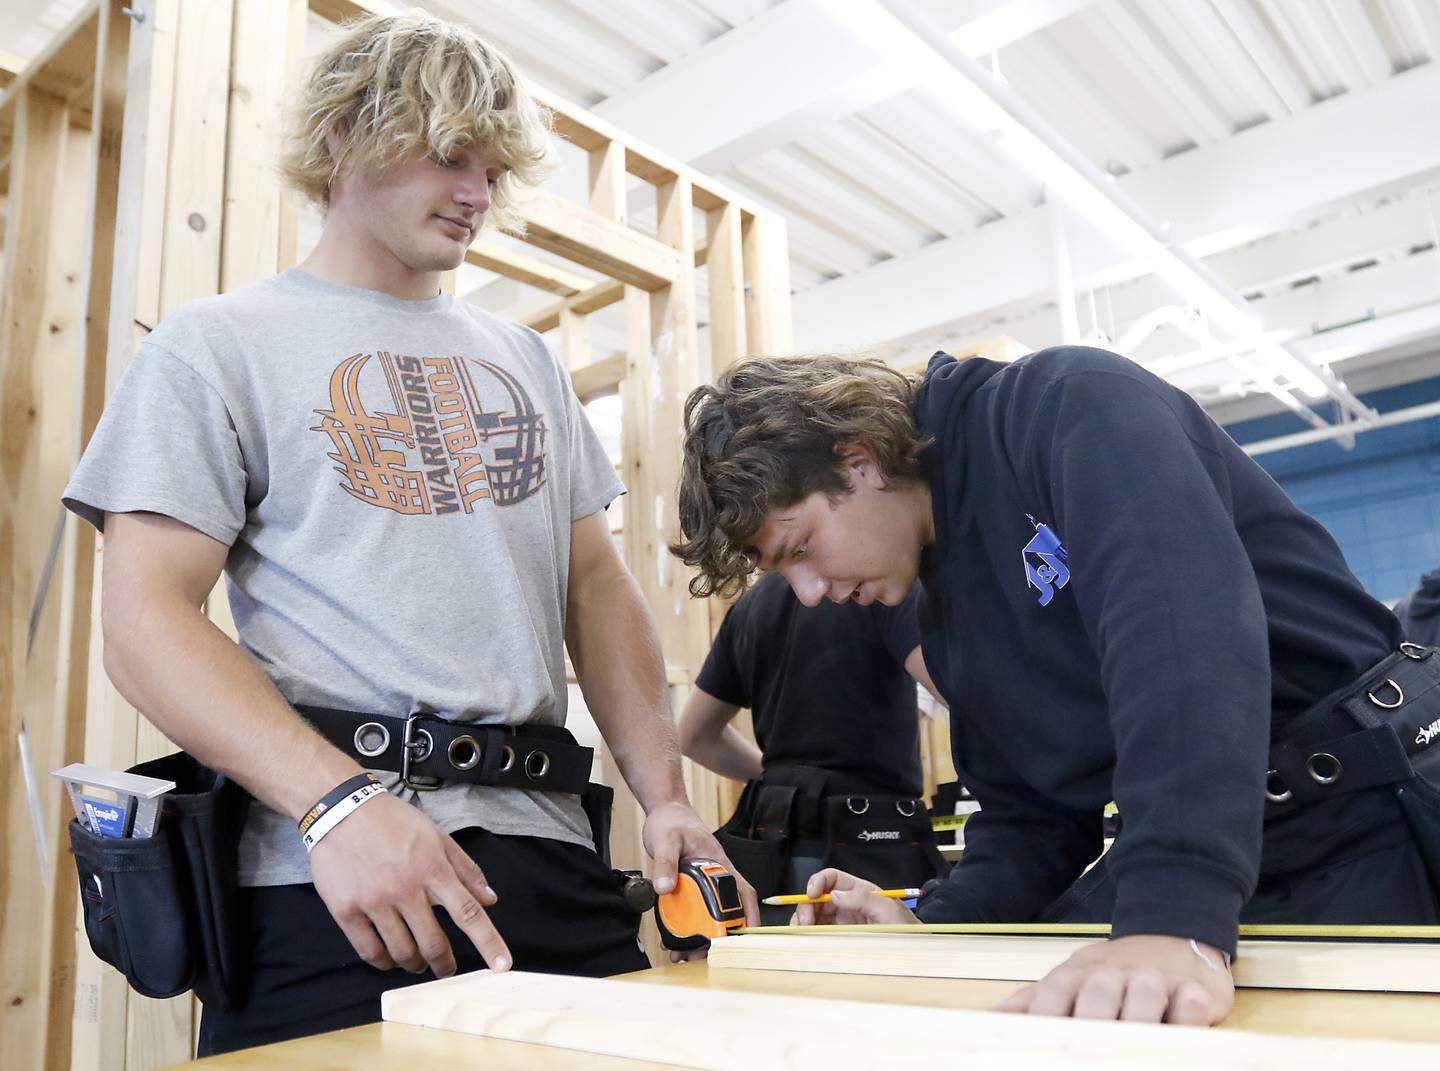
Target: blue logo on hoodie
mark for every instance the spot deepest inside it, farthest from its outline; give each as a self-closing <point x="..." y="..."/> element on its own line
<point x="1045" y="557"/>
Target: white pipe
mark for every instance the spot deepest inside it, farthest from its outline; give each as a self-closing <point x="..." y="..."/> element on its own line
<point x="1064" y="275"/>
<point x="1335" y="431"/>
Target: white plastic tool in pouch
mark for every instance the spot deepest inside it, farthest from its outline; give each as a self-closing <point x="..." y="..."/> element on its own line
<point x="110" y="803"/>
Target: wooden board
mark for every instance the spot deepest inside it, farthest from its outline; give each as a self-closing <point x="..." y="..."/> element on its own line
<point x="720" y="1029"/>
<point x="1350" y="965"/>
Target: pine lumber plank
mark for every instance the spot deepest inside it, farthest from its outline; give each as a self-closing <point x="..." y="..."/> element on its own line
<point x="725" y="1029"/>
<point x="523" y="268"/>
<point x="1348" y="965"/>
<point x="578" y="234"/>
<point x="41" y="322"/>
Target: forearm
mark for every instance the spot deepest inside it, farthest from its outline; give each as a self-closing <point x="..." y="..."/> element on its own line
<point x="1012" y="867"/>
<point x="621" y="671"/>
<point x="726" y="752"/>
<point x="204" y="693"/>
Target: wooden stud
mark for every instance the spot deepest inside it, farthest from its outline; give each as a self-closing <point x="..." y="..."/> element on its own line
<point x="250" y="228"/>
<point x="195" y="184"/>
<point x="140" y="213"/>
<point x="612" y="248"/>
<point x="532" y="271"/>
<point x="574" y="342"/>
<point x="600" y="296"/>
<point x="77" y="571"/>
<point x="599" y="378"/>
<point x="288" y="244"/>
<point x="41" y="315"/>
<point x="726" y="268"/>
<point x="767" y="279"/>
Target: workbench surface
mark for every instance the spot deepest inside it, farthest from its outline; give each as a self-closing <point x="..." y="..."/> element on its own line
<point x="394" y="1047"/>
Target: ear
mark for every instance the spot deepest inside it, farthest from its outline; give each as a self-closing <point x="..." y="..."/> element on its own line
<point x="858" y="462"/>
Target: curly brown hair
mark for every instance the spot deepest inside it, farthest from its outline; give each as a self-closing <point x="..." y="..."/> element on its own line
<point x="767" y="434"/>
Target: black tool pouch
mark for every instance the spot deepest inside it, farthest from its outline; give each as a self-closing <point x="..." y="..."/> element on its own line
<point x="884" y="839"/>
<point x="1388" y="734"/>
<point x="163" y="909"/>
<point x="757" y="838"/>
<point x="598" y="802"/>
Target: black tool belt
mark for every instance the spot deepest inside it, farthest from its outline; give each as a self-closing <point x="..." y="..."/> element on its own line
<point x="1382" y="729"/>
<point x="429" y="751"/>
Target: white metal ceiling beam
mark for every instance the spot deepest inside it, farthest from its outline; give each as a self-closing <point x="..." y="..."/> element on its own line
<point x="1250" y="185"/>
<point x="1358" y="38"/>
<point x="1382" y="292"/>
<point x="1202" y="122"/>
<point x="799" y="68"/>
<point x="1275" y="89"/>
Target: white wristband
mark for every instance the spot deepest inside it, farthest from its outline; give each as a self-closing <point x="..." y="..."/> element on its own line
<point x="1224" y="956"/>
<point x="337" y="812"/>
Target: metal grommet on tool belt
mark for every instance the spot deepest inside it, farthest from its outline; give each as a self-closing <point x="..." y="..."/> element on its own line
<point x="906" y="807"/>
<point x="372" y="739"/>
<point x="1321" y="759"/>
<point x="1414" y="650"/>
<point x="1399" y="695"/>
<point x="534" y="769"/>
<point x="507" y="762"/>
<point x="463" y="753"/>
<point x="1273" y="781"/>
<point x="863" y="806"/>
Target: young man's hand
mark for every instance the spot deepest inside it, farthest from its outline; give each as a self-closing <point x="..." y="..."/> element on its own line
<point x="673" y="831"/>
<point x="1143" y="978"/>
<point x="852" y="902"/>
<point x="382" y="871"/>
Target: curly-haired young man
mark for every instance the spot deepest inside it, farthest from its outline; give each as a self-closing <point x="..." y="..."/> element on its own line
<point x="408" y="504"/>
<point x="1118" y="604"/>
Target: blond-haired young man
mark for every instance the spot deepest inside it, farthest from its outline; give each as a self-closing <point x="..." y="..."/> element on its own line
<point x="408" y="504"/>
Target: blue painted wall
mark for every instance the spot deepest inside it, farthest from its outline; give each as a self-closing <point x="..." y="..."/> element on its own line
<point x="1381" y="500"/>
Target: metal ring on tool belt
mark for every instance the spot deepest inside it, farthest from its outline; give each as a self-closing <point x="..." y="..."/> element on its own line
<point x="530" y="763"/>
<point x="1337" y="768"/>
<point x="507" y="754"/>
<point x="1414" y="650"/>
<point x="1399" y="696"/>
<point x="1272" y="776"/>
<point x="900" y="806"/>
<point x="864" y="804"/>
<point x="467" y="746"/>
<point x="370" y="728"/>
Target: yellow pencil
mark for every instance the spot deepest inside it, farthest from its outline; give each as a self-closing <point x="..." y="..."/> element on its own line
<point x="801" y="898"/>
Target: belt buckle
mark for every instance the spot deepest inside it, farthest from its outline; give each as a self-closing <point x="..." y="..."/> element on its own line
<point x="415" y="749"/>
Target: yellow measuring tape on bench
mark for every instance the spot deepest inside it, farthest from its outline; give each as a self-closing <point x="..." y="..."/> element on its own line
<point x="942" y="822"/>
<point x="1102" y="929"/>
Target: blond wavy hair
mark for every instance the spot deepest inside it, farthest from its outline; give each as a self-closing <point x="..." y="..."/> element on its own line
<point x="768" y="433"/>
<point x="392" y="86"/>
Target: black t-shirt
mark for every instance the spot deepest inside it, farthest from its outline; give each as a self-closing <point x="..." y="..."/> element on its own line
<point x="826" y="685"/>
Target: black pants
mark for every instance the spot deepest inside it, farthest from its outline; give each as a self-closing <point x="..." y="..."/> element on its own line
<point x="1351" y="861"/>
<point x="559" y="910"/>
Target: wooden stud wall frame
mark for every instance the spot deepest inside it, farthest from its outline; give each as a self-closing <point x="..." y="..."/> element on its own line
<point x="136" y="174"/>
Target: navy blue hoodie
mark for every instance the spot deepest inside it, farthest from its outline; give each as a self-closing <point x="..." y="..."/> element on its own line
<point x="1119" y="604"/>
<point x="1419" y="612"/>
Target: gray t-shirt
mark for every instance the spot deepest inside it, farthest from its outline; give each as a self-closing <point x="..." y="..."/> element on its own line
<point x="396" y="481"/>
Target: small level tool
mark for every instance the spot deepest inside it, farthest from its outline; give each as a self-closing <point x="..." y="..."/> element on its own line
<point x="112" y="803"/>
<point x="705" y="903"/>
